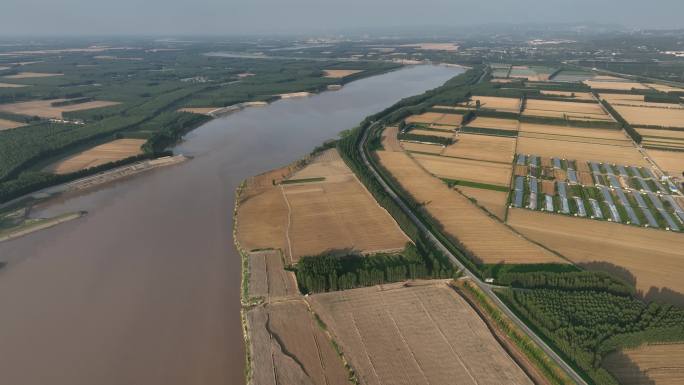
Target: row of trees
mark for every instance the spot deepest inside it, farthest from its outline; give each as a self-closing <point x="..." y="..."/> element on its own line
<point x="323" y="273"/>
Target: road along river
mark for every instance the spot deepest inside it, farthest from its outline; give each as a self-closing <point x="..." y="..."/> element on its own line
<point x="145" y="289"/>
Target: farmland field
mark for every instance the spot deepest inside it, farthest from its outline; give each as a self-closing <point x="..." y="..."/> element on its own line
<point x="503" y="124"/>
<point x="649" y="116"/>
<point x="494" y="201"/>
<point x="9" y="124"/>
<point x="482" y="147"/>
<point x="658" y="364"/>
<point x="654" y="257"/>
<point x="495" y="103"/>
<point x="31" y="75"/>
<point x="337" y="213"/>
<point x="45" y="109"/>
<point x="465" y="169"/>
<point x="576" y="133"/>
<point x="338" y="74"/>
<point x="442" y="134"/>
<point x="424" y="333"/>
<point x="561" y="109"/>
<point x="267" y="275"/>
<point x="614" y="85"/>
<point x="287" y="347"/>
<point x="104" y="153"/>
<point x="489" y="240"/>
<point x="627" y="155"/>
<point x="262" y="213"/>
<point x="670" y="161"/>
<point x="422" y="147"/>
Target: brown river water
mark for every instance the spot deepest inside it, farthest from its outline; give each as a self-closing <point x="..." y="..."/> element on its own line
<point x="145" y="288"/>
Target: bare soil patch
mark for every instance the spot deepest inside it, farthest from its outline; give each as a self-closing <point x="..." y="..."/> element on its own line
<point x="45" y="109"/>
<point x="659" y="364"/>
<point x="104" y="153"/>
<point x="628" y="247"/>
<point x="417" y="334"/>
<point x="268" y="277"/>
<point x="11" y="85"/>
<point x="289" y="348"/>
<point x="337" y="74"/>
<point x="490" y="240"/>
<point x="30" y="75"/>
<point x="482" y="147"/>
<point x="9" y="124"/>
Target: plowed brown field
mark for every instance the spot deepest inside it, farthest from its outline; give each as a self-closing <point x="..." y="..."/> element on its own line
<point x="417" y="335"/>
<point x="104" y="153"/>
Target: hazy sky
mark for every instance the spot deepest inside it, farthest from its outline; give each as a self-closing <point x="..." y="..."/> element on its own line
<point x="178" y="17"/>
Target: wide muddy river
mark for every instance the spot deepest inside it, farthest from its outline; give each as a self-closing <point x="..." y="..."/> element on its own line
<point x="145" y="289"/>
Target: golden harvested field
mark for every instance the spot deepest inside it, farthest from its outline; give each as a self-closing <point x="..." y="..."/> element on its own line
<point x="104" y="153"/>
<point x="569" y="95"/>
<point x="482" y="147"/>
<point x="44" y="108"/>
<point x="627" y="155"/>
<point x="422" y="147"/>
<point x="560" y="109"/>
<point x="648" y="116"/>
<point x="288" y="347"/>
<point x="661" y="364"/>
<point x="503" y="124"/>
<point x="494" y="201"/>
<point x="465" y="169"/>
<point x="268" y="277"/>
<point x="389" y="139"/>
<point x="652" y="133"/>
<point x="9" y="124"/>
<point x="495" y="103"/>
<point x="654" y="257"/>
<point x="490" y="240"/>
<point x="670" y="161"/>
<point x="578" y="132"/>
<point x="420" y="334"/>
<point x="572" y="138"/>
<point x="614" y="85"/>
<point x="436" y="118"/>
<point x="426" y="117"/>
<point x="10" y="85"/>
<point x="336" y="214"/>
<point x="664" y="88"/>
<point x="337" y="74"/>
<point x="262" y="213"/>
<point x="622" y="97"/>
<point x="442" y="134"/>
<point x="30" y="75"/>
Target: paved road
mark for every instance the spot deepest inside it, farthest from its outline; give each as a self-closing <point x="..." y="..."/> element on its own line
<point x="486" y="288"/>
